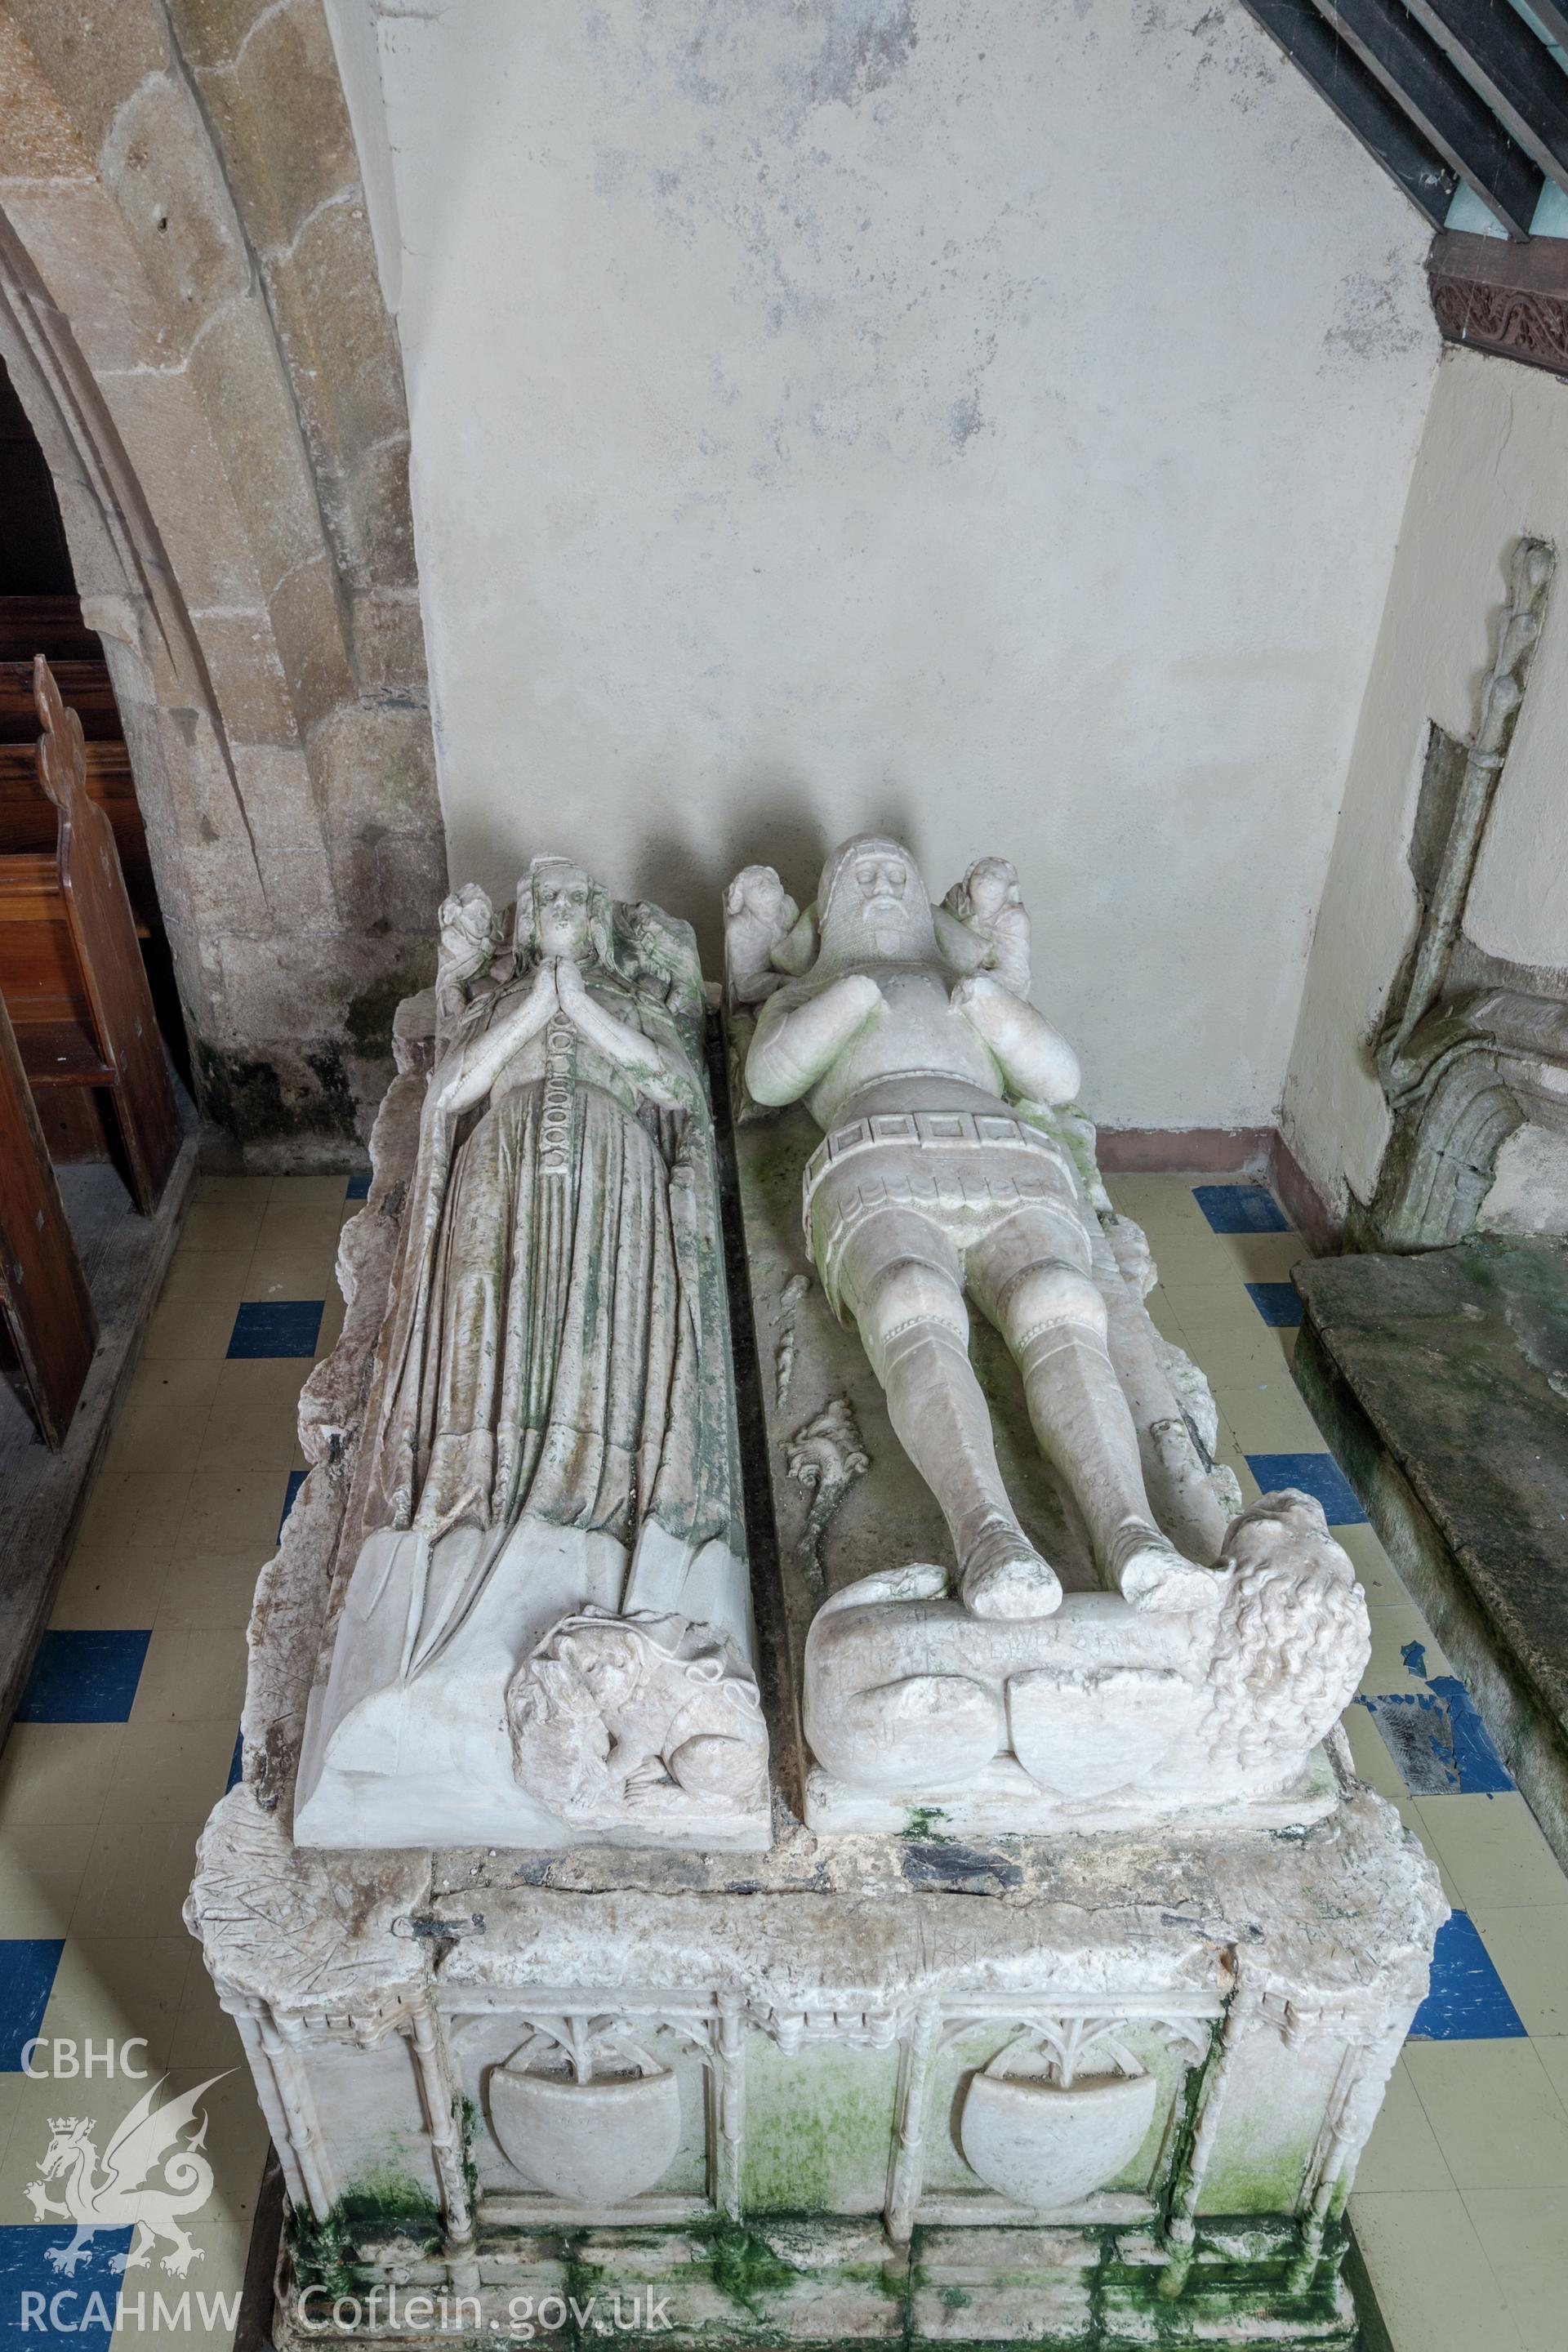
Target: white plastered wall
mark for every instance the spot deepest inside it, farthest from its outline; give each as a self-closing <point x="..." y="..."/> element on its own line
<point x="985" y="422"/>
<point x="1492" y="466"/>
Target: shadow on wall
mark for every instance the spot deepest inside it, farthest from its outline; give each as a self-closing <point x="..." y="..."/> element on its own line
<point x="775" y="820"/>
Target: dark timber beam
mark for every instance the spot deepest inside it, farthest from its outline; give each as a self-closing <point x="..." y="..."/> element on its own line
<point x="1447" y="111"/>
<point x="1516" y="73"/>
<point x="1508" y="299"/>
<point x="1385" y="129"/>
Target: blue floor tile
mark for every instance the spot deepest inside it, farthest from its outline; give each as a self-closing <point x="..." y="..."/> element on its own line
<point x="43" y="2302"/>
<point x="283" y="1327"/>
<point x="84" y="1678"/>
<point x="359" y="1187"/>
<point x="235" y="1764"/>
<point x="1278" y="1303"/>
<point x="1240" y="1209"/>
<point x="1318" y="1475"/>
<point x="296" y="1480"/>
<point x="28" y="1965"/>
<point x="1439" y="1741"/>
<point x="1468" y="2001"/>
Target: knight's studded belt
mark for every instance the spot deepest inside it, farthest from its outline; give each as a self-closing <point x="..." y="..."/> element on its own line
<point x="926" y="1130"/>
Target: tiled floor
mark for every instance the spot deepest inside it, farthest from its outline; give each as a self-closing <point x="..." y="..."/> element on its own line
<point x="128" y="1733"/>
<point x="1461" y="2204"/>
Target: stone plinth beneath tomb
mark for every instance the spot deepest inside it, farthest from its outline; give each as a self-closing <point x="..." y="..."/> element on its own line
<point x="938" y="2073"/>
<point x="831" y="2074"/>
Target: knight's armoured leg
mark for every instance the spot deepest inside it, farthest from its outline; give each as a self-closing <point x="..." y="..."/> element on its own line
<point x="1054" y="1321"/>
<point x="905" y="1290"/>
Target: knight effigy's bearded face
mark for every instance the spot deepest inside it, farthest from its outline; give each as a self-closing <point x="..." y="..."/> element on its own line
<point x="877" y="908"/>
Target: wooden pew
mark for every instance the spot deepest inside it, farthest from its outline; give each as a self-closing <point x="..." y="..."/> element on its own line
<point x="70" y="969"/>
<point x="44" y="1306"/>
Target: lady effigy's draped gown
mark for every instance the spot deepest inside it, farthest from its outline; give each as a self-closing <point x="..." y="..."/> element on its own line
<point x="546" y="1361"/>
<point x="552" y="1435"/>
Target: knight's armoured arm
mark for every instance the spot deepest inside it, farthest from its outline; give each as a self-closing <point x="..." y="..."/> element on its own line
<point x="1035" y="1059"/>
<point x="793" y="1049"/>
<point x="964" y="949"/>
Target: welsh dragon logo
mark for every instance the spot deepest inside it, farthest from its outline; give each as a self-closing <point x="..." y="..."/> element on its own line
<point x="150" y="2177"/>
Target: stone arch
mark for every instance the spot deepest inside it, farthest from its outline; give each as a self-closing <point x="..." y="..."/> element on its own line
<point x="191" y="315"/>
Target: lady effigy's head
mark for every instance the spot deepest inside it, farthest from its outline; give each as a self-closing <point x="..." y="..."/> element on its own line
<point x="559" y="894"/>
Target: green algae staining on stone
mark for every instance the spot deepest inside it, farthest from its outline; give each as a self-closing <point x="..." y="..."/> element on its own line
<point x="925" y="1823"/>
<point x="385" y="2206"/>
<point x="742" y="2265"/>
<point x="818" y="2127"/>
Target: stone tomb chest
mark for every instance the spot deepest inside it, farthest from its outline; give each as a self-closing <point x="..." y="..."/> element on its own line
<point x="667" y="1896"/>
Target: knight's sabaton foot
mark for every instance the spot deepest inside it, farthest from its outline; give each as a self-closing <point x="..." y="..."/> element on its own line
<point x="1004" y="1575"/>
<point x="1148" y="1570"/>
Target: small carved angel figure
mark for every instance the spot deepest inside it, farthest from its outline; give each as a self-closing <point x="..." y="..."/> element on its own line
<point x="469" y="938"/>
<point x="767" y="939"/>
<point x="989" y="904"/>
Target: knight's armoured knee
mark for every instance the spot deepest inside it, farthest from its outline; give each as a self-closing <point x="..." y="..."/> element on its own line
<point x="906" y="1300"/>
<point x="1046" y="1304"/>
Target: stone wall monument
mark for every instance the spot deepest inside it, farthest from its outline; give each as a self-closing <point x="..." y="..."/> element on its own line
<point x="904" y="1948"/>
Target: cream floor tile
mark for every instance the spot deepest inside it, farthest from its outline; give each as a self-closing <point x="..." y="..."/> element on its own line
<point x="308" y="1227"/>
<point x="191" y="1675"/>
<point x="1395" y="1628"/>
<point x="104" y="1589"/>
<point x="231" y="1510"/>
<point x="168" y="1773"/>
<point x="135" y="1880"/>
<point x="1434" y="2287"/>
<point x="222" y="1228"/>
<point x="1262" y="1257"/>
<point x="1529" y="1947"/>
<point x="104" y="2103"/>
<point x="41" y="1871"/>
<point x="1492" y="1850"/>
<point x="1406" y="1810"/>
<point x="1268" y="1416"/>
<point x="192" y="1328"/>
<point x="1379" y="1578"/>
<point x="161" y="1421"/>
<point x="205" y="1273"/>
<point x="1231" y="1358"/>
<point x="57" y="1774"/>
<point x="1551" y="2049"/>
<point x="212" y="1589"/>
<point x="1496" y="2118"/>
<point x="205" y="2034"/>
<point x="236" y="2141"/>
<point x="1403" y="2152"/>
<point x="1374" y="1763"/>
<point x="255" y="1414"/>
<point x="1525" y="2234"/>
<point x="135" y="1511"/>
<point x="112" y="1989"/>
<point x="309" y="1191"/>
<point x="289" y="1273"/>
<point x="219" y="1190"/>
<point x="1215" y="1311"/>
<point x="10" y="2101"/>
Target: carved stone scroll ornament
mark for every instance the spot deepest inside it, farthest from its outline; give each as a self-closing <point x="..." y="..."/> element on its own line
<point x="1463" y="1068"/>
<point x="549" y="1439"/>
<point x="949" y="1175"/>
<point x="908" y="1695"/>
